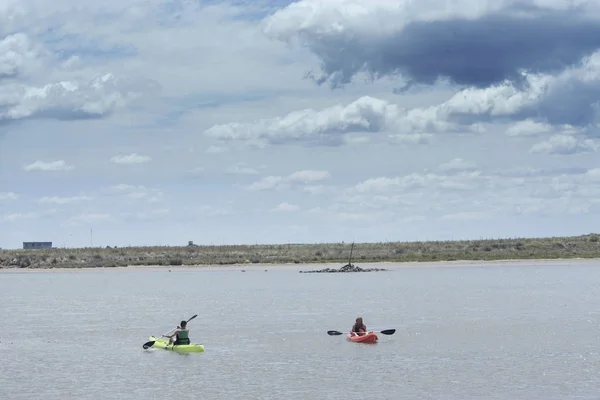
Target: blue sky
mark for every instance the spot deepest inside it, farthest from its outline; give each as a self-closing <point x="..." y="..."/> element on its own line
<point x="157" y="122"/>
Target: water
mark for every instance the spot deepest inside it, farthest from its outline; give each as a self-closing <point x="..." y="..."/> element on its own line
<point x="519" y="332"/>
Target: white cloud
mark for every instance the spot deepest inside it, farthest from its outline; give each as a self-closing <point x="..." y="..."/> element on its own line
<point x="365" y="114"/>
<point x="16" y="53"/>
<point x="459" y="181"/>
<point x="62" y="200"/>
<point x="309" y="176"/>
<point x="283" y="182"/>
<point x="212" y="211"/>
<point x="567" y="100"/>
<point x="123" y="187"/>
<point x="135" y="192"/>
<point x="8" y="196"/>
<point x="267" y="183"/>
<point x="565" y="145"/>
<point x="242" y="170"/>
<point x="48" y="166"/>
<point x="457" y="164"/>
<point x="18" y="216"/>
<point x="286" y="207"/>
<point x="330" y="125"/>
<point x="132" y="158"/>
<point x="26" y="215"/>
<point x="530" y="127"/>
<point x="65" y="100"/>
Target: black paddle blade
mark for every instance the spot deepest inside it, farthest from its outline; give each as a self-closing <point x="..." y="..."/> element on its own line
<point x="388" y="331"/>
<point x="332" y="333"/>
<point x="149" y="344"/>
<point x="192" y="318"/>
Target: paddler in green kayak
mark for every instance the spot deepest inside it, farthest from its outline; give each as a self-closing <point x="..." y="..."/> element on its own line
<point x="180" y="336"/>
<point x="359" y="328"/>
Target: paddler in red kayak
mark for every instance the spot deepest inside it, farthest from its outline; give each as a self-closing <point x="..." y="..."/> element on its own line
<point x="359" y="328"/>
<point x="180" y="336"/>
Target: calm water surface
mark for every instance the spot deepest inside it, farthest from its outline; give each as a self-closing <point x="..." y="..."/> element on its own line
<point x="519" y="332"/>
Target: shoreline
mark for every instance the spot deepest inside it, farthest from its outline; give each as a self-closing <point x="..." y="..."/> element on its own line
<point x="388" y="265"/>
<point x="304" y="255"/>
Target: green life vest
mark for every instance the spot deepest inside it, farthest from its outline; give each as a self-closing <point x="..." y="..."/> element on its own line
<point x="182" y="334"/>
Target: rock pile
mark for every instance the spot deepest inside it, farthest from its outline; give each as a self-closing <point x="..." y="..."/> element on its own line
<point x="345" y="268"/>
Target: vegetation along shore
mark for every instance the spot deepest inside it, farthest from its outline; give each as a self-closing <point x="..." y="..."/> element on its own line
<point x="585" y="246"/>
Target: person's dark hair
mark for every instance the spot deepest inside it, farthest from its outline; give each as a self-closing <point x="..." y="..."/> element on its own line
<point x="183" y="324"/>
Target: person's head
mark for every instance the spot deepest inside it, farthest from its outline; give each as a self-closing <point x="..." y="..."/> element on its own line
<point x="359" y="321"/>
<point x="183" y="324"/>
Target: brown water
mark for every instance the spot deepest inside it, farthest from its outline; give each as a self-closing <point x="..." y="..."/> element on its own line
<point x="521" y="332"/>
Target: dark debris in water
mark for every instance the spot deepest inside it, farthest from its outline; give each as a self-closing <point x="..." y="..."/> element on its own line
<point x="345" y="268"/>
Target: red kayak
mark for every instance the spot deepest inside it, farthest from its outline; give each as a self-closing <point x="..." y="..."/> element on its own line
<point x="370" y="337"/>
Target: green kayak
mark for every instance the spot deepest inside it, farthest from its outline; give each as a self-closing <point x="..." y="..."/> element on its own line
<point x="163" y="343"/>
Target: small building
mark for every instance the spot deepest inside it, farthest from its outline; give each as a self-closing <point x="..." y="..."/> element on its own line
<point x="37" y="245"/>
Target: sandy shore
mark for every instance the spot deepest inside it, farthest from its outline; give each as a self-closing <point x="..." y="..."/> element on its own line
<point x="391" y="266"/>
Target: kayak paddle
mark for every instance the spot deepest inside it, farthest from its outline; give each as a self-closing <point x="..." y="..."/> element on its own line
<point x="384" y="332"/>
<point x="151" y="343"/>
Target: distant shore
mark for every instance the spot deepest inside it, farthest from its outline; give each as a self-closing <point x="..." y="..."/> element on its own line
<point x="263" y="256"/>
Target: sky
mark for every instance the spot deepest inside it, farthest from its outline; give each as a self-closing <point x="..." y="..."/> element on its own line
<point x="158" y="122"/>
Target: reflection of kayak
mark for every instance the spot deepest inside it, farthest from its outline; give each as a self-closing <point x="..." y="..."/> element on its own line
<point x="163" y="343"/>
<point x="370" y="337"/>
